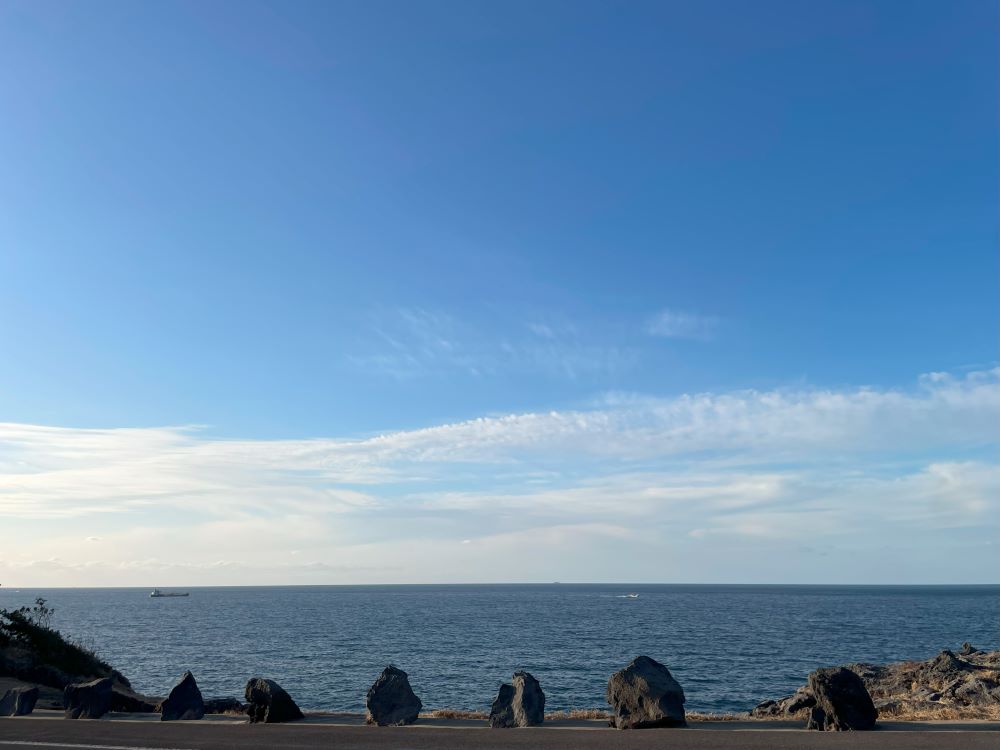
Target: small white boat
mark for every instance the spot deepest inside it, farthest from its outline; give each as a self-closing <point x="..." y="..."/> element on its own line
<point x="157" y="594"/>
<point x="631" y="596"/>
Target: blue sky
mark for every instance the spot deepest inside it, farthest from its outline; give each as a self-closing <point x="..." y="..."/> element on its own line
<point x="621" y="283"/>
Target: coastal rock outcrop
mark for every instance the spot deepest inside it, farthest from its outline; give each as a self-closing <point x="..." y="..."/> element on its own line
<point x="946" y="686"/>
<point x="518" y="704"/>
<point x="842" y="702"/>
<point x="390" y="700"/>
<point x="645" y="695"/>
<point x="184" y="702"/>
<point x="269" y="703"/>
<point x="88" y="700"/>
<point x="19" y="701"/>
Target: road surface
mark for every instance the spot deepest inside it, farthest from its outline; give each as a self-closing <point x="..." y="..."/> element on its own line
<point x="31" y="733"/>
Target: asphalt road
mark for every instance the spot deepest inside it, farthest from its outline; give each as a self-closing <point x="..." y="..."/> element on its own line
<point x="30" y="734"/>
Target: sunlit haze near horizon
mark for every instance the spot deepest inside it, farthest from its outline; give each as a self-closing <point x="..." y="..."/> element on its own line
<point x="391" y="292"/>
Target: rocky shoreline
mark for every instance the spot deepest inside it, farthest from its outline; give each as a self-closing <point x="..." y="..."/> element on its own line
<point x="949" y="686"/>
<point x="45" y="671"/>
<point x="962" y="685"/>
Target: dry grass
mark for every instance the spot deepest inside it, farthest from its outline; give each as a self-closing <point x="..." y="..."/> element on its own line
<point x="588" y="714"/>
<point x="940" y="713"/>
<point x="699" y="716"/>
<point x="454" y="713"/>
<point x="902" y="713"/>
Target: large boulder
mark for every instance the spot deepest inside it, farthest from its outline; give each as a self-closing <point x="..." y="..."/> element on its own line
<point x="842" y="701"/>
<point x="391" y="701"/>
<point x="269" y="703"/>
<point x="645" y="695"/>
<point x="519" y="704"/>
<point x="184" y="702"/>
<point x="19" y="701"/>
<point x="88" y="700"/>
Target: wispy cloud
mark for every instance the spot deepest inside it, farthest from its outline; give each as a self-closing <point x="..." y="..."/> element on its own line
<point x="778" y="465"/>
<point x="408" y="343"/>
<point x="682" y="325"/>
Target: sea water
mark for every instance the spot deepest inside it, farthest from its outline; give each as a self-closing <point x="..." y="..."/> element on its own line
<point x="729" y="646"/>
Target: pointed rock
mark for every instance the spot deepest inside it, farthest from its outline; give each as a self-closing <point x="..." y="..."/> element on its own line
<point x="519" y="704"/>
<point x="184" y="702"/>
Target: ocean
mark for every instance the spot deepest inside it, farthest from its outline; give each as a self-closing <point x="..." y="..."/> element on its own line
<point x="729" y="646"/>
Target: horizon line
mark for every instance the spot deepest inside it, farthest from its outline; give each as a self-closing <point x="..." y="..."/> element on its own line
<point x="506" y="583"/>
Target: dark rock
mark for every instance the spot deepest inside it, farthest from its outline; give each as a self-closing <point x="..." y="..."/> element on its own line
<point x="790" y="705"/>
<point x="224" y="706"/>
<point x="520" y="704"/>
<point x="19" y="701"/>
<point x="768" y="708"/>
<point x="842" y="701"/>
<point x="949" y="689"/>
<point x="645" y="695"/>
<point x="802" y="700"/>
<point x="502" y="709"/>
<point x="88" y="700"/>
<point x="947" y="664"/>
<point x="184" y="702"/>
<point x="391" y="701"/>
<point x="126" y="700"/>
<point x="975" y="691"/>
<point x="269" y="703"/>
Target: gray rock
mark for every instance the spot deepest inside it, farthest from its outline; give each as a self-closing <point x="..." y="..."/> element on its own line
<point x="645" y="695"/>
<point x="391" y="701"/>
<point x="19" y="701"/>
<point x="184" y="702"/>
<point x="88" y="700"/>
<point x="519" y="704"/>
<point x="268" y="703"/>
<point x="947" y="664"/>
<point x="842" y="702"/>
<point x="790" y="705"/>
<point x="975" y="691"/>
<point x="888" y="705"/>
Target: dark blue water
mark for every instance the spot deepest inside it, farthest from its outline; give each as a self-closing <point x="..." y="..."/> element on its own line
<point x="730" y="646"/>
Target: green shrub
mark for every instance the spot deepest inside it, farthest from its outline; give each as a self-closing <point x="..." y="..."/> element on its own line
<point x="42" y="650"/>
